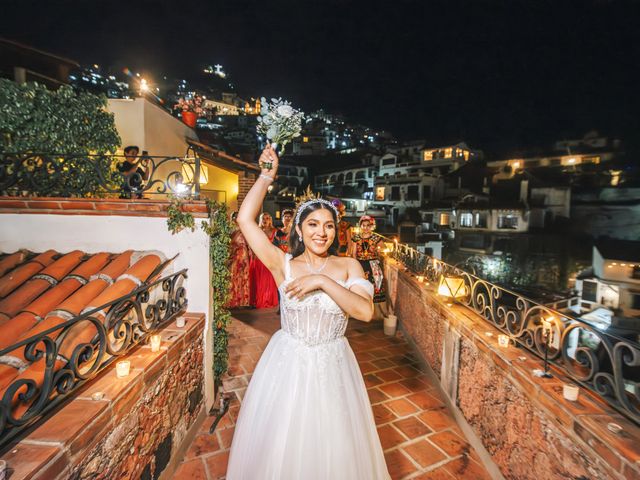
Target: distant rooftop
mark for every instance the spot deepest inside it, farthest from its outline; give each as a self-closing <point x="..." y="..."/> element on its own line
<point x="625" y="250"/>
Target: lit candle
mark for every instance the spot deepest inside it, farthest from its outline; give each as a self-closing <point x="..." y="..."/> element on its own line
<point x="122" y="368"/>
<point x="180" y="322"/>
<point x="503" y="340"/>
<point x="570" y="392"/>
<point x="155" y="340"/>
<point x="97" y="396"/>
<point x="421" y="278"/>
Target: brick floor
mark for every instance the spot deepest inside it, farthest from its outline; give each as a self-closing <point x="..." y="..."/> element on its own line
<point x="419" y="436"/>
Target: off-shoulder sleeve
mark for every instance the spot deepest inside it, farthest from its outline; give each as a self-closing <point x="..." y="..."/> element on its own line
<point x="367" y="285"/>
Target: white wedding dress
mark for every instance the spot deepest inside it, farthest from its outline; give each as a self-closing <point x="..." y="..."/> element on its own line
<point x="306" y="414"/>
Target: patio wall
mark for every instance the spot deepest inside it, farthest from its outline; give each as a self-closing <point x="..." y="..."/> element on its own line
<point x="525" y="424"/>
<point x="101" y="225"/>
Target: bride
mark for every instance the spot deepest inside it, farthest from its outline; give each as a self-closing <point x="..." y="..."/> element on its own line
<point x="306" y="414"/>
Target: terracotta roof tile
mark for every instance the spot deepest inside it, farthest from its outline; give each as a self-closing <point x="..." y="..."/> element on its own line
<point x="40" y="292"/>
<point x="16" y="277"/>
<point x="9" y="262"/>
<point x="39" y="283"/>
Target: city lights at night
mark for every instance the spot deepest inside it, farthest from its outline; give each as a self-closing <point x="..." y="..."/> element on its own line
<point x="343" y="240"/>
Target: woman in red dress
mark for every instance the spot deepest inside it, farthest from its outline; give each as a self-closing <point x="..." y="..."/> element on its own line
<point x="264" y="292"/>
<point x="240" y="256"/>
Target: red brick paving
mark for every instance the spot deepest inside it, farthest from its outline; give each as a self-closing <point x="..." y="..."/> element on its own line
<point x="420" y="438"/>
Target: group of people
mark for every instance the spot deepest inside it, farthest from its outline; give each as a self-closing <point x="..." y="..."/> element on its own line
<point x="254" y="286"/>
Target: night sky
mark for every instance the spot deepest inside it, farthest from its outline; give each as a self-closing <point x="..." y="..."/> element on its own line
<point x="502" y="75"/>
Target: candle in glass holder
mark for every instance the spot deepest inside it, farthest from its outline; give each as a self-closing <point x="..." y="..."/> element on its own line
<point x="503" y="340"/>
<point x="570" y="392"/>
<point x="155" y="340"/>
<point x="122" y="368"/>
<point x="180" y="322"/>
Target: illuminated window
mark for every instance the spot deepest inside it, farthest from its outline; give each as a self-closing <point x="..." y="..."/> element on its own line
<point x="427" y="155"/>
<point x="481" y="220"/>
<point x="448" y="152"/>
<point x="508" y="222"/>
<point x="466" y="219"/>
<point x="466" y="155"/>
<point x="379" y="193"/>
<point x="305" y="139"/>
<point x="444" y="219"/>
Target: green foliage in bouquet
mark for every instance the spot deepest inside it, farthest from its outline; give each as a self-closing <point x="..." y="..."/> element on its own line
<point x="279" y="122"/>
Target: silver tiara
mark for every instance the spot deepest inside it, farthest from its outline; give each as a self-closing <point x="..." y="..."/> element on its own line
<point x="308" y="203"/>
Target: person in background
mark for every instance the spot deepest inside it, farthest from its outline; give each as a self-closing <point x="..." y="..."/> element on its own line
<point x="281" y="240"/>
<point x="239" y="260"/>
<point x="264" y="292"/>
<point x="365" y="247"/>
<point x="135" y="171"/>
<point x="344" y="230"/>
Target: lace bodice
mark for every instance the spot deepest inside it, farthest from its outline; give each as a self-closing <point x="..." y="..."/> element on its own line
<point x="314" y="319"/>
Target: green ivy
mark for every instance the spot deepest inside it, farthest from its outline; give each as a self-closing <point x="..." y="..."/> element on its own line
<point x="178" y="218"/>
<point x="219" y="229"/>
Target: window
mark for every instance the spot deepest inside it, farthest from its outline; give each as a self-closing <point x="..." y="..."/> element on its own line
<point x="341" y="179"/>
<point x="508" y="222"/>
<point x="426" y="193"/>
<point x="305" y="139"/>
<point x="413" y="192"/>
<point x="448" y="152"/>
<point x="481" y="220"/>
<point x="360" y="175"/>
<point x="635" y="301"/>
<point x="635" y="273"/>
<point x="466" y="155"/>
<point x="395" y="193"/>
<point x="349" y="177"/>
<point x="379" y="193"/>
<point x="427" y="155"/>
<point x="427" y="217"/>
<point x="444" y="219"/>
<point x="589" y="291"/>
<point x="389" y="161"/>
<point x="466" y="219"/>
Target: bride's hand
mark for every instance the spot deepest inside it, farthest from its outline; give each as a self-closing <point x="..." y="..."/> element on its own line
<point x="269" y="156"/>
<point x="301" y="286"/>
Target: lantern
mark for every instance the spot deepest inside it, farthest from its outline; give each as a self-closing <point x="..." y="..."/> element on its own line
<point x="188" y="170"/>
<point x="452" y="287"/>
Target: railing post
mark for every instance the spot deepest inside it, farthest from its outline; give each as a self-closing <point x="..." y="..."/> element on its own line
<point x="196" y="178"/>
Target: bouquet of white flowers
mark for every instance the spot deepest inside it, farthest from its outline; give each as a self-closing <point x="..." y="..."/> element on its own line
<point x="279" y="122"/>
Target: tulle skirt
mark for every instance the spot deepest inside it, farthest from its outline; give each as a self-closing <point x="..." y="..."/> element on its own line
<point x="306" y="415"/>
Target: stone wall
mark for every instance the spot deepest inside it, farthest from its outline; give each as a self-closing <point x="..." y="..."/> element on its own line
<point x="135" y="429"/>
<point x="528" y="428"/>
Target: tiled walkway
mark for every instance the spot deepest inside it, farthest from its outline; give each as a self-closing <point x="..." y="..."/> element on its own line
<point x="420" y="438"/>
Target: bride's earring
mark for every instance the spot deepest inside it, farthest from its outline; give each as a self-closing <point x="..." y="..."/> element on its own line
<point x="300" y="237"/>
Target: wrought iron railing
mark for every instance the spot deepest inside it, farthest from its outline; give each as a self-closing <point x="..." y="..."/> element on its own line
<point x="51" y="366"/>
<point x="604" y="360"/>
<point x="53" y="175"/>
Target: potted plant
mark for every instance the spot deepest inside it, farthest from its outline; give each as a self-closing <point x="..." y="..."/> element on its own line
<point x="191" y="109"/>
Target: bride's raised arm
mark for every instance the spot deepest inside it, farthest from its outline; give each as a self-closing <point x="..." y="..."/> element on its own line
<point x="269" y="254"/>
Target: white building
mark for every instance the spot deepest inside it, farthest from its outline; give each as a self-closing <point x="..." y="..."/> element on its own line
<point x="614" y="282"/>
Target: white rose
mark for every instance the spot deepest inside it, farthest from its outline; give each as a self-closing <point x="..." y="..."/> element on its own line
<point x="285" y="111"/>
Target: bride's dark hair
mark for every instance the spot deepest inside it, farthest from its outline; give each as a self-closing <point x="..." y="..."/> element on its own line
<point x="296" y="246"/>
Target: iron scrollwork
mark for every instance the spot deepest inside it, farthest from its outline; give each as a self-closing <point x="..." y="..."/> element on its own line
<point x="52" y="175"/>
<point x="606" y="363"/>
<point x="53" y="364"/>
